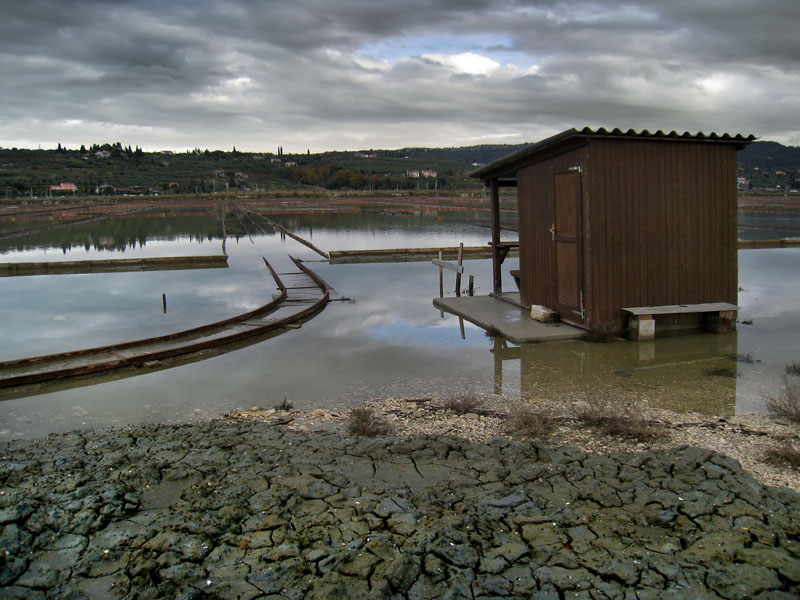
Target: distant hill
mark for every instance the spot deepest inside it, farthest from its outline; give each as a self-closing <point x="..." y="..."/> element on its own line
<point x="113" y="169"/>
<point x="764" y="155"/>
<point x="484" y="153"/>
<point x="770" y="155"/>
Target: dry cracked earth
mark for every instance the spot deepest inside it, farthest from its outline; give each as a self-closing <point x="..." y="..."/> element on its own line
<point x="242" y="509"/>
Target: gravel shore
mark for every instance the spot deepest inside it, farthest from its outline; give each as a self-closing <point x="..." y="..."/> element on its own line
<point x="247" y="507"/>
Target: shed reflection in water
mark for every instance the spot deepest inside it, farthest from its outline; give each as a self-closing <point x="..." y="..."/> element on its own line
<point x="686" y="373"/>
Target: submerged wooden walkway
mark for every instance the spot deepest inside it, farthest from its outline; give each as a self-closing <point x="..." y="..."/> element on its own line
<point x="116" y="265"/>
<point x="302" y="296"/>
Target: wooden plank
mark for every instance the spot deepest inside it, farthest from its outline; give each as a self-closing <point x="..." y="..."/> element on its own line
<point x="681" y="308"/>
<point x="758" y="244"/>
<point x="448" y="265"/>
<point x="118" y="265"/>
<point x="408" y="254"/>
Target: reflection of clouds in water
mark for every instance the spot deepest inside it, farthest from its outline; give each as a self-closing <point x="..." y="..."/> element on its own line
<point x="391" y="341"/>
<point x="771" y="282"/>
<point x="402" y="332"/>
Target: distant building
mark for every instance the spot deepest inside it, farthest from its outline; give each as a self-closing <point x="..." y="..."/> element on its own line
<point x="64" y="187"/>
<point x="365" y="155"/>
<point x="742" y="183"/>
<point x="412" y="173"/>
<point x="103" y="154"/>
<point x="290" y="163"/>
<point x="429" y="173"/>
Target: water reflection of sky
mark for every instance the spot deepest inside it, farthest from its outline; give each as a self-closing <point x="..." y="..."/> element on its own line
<point x="390" y="341"/>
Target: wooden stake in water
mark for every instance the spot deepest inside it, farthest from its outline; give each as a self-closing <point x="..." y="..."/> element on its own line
<point x="164" y="302"/>
<point x="472" y="285"/>
<point x="458" y="273"/>
<point x="441" y="278"/>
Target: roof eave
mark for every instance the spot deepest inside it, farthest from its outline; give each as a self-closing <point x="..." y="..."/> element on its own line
<point x="507" y="165"/>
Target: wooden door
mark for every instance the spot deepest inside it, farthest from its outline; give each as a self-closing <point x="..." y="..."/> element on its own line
<point x="566" y="235"/>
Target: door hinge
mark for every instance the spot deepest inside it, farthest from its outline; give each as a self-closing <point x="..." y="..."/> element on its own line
<point x="577" y="168"/>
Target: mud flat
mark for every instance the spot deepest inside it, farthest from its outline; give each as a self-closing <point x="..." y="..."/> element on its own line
<point x="246" y="508"/>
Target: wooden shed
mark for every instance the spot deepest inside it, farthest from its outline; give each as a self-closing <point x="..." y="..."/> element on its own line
<point x="618" y="226"/>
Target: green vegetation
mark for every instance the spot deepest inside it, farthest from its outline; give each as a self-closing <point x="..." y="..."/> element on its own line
<point x="111" y="169"/>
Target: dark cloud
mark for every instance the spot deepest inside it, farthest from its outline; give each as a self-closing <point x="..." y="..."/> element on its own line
<point x="258" y="73"/>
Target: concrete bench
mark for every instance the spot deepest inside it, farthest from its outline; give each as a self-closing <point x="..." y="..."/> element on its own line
<point x="720" y="317"/>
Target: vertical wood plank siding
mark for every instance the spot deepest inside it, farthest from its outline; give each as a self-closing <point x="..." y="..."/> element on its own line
<point x="662" y="225"/>
<point x="659" y="225"/>
<point x="536" y="192"/>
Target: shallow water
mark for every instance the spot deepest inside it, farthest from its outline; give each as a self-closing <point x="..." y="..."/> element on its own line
<point x="390" y="341"/>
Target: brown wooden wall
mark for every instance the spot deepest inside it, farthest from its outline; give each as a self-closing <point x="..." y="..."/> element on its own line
<point x="535" y="190"/>
<point x="659" y="225"/>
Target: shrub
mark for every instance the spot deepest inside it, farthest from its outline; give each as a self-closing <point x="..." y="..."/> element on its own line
<point x="786" y="403"/>
<point x="527" y="422"/>
<point x="786" y="453"/>
<point x="604" y="332"/>
<point x="465" y="403"/>
<point x="363" y="421"/>
<point x="620" y="419"/>
<point x="793" y="369"/>
<point x="492" y="331"/>
<point x="284" y="405"/>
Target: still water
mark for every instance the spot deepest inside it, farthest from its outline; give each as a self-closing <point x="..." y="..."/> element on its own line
<point x="389" y="341"/>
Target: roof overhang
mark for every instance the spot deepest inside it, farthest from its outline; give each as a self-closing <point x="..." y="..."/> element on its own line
<point x="505" y="168"/>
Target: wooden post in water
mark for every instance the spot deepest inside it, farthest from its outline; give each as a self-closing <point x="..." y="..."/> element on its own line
<point x="497" y="344"/>
<point x="472" y="285"/>
<point x="497" y="280"/>
<point x="441" y="278"/>
<point x="164" y="302"/>
<point x="458" y="273"/>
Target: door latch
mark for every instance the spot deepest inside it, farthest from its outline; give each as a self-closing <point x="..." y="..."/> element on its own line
<point x="552" y="231"/>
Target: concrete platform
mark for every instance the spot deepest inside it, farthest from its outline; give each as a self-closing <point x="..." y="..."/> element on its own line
<point x="513" y="322"/>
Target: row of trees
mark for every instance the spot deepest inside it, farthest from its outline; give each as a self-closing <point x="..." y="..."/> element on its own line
<point x="334" y="178"/>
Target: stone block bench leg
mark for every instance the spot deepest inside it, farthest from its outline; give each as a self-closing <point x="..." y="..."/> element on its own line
<point x="723" y="321"/>
<point x="642" y="327"/>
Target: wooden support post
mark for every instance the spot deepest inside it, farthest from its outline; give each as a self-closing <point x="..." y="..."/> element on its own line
<point x="498" y="364"/>
<point x="441" y="277"/>
<point x="164" y="302"/>
<point x="494" y="202"/>
<point x="458" y="273"/>
<point x="461" y="326"/>
<point x="472" y="285"/>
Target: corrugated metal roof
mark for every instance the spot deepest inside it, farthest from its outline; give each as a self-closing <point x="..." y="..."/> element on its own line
<point x="498" y="167"/>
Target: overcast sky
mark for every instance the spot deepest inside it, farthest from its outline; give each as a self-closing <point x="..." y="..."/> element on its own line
<point x="360" y="74"/>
